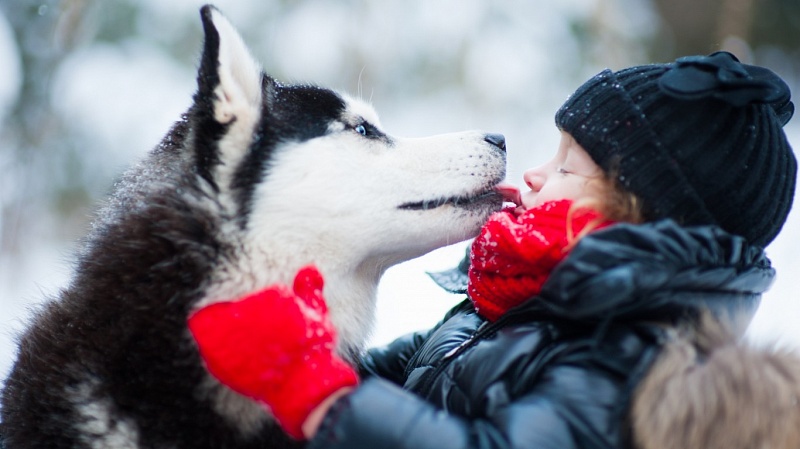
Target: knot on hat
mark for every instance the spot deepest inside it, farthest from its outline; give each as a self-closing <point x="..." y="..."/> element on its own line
<point x="720" y="75"/>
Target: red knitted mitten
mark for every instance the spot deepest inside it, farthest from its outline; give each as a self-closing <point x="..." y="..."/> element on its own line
<point x="275" y="346"/>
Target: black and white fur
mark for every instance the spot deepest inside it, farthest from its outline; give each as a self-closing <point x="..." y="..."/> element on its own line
<point x="257" y="179"/>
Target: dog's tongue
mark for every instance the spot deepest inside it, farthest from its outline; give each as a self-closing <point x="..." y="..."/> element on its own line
<point x="509" y="192"/>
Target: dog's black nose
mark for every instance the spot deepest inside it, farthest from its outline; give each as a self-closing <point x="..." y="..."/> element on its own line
<point x="497" y="140"/>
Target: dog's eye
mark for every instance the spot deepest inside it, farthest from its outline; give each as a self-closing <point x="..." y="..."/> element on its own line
<point x="368" y="130"/>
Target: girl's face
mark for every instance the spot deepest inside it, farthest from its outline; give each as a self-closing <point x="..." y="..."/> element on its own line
<point x="570" y="174"/>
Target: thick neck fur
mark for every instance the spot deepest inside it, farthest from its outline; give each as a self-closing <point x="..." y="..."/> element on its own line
<point x="350" y="284"/>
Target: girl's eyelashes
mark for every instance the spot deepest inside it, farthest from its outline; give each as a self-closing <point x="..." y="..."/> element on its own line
<point x="562" y="171"/>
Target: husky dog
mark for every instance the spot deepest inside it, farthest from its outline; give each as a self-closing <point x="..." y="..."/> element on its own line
<point x="256" y="180"/>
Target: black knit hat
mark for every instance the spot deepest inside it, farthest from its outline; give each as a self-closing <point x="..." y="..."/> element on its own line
<point x="699" y="140"/>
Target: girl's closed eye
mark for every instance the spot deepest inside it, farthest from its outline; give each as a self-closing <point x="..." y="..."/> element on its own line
<point x="562" y="171"/>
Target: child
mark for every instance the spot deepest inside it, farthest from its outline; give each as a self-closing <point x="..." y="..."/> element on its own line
<point x="668" y="182"/>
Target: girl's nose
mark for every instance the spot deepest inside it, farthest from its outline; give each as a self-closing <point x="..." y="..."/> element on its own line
<point x="534" y="178"/>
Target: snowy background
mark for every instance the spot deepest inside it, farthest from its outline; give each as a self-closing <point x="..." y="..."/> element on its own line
<point x="87" y="87"/>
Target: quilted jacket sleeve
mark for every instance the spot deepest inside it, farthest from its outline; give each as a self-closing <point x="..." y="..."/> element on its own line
<point x="389" y="362"/>
<point x="578" y="401"/>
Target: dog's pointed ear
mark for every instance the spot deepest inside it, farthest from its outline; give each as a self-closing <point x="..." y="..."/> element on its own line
<point x="227" y="105"/>
<point x="228" y="76"/>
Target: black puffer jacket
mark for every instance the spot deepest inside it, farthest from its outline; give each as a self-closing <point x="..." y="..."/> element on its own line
<point x="558" y="371"/>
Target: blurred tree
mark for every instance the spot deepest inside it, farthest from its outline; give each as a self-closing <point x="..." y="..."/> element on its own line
<point x="35" y="137"/>
<point x="777" y="23"/>
<point x="740" y="26"/>
<point x="47" y="156"/>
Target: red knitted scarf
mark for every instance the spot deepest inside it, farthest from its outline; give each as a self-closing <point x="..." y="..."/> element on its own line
<point x="513" y="255"/>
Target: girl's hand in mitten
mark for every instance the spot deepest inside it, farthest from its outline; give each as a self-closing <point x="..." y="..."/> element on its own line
<point x="275" y="346"/>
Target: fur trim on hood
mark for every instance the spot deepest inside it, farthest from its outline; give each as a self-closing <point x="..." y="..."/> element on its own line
<point x="708" y="390"/>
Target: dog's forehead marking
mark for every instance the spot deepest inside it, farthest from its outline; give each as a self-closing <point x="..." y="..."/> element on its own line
<point x="358" y="110"/>
<point x="335" y="127"/>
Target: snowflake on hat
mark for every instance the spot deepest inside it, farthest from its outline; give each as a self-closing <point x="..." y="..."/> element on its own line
<point x="513" y="255"/>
